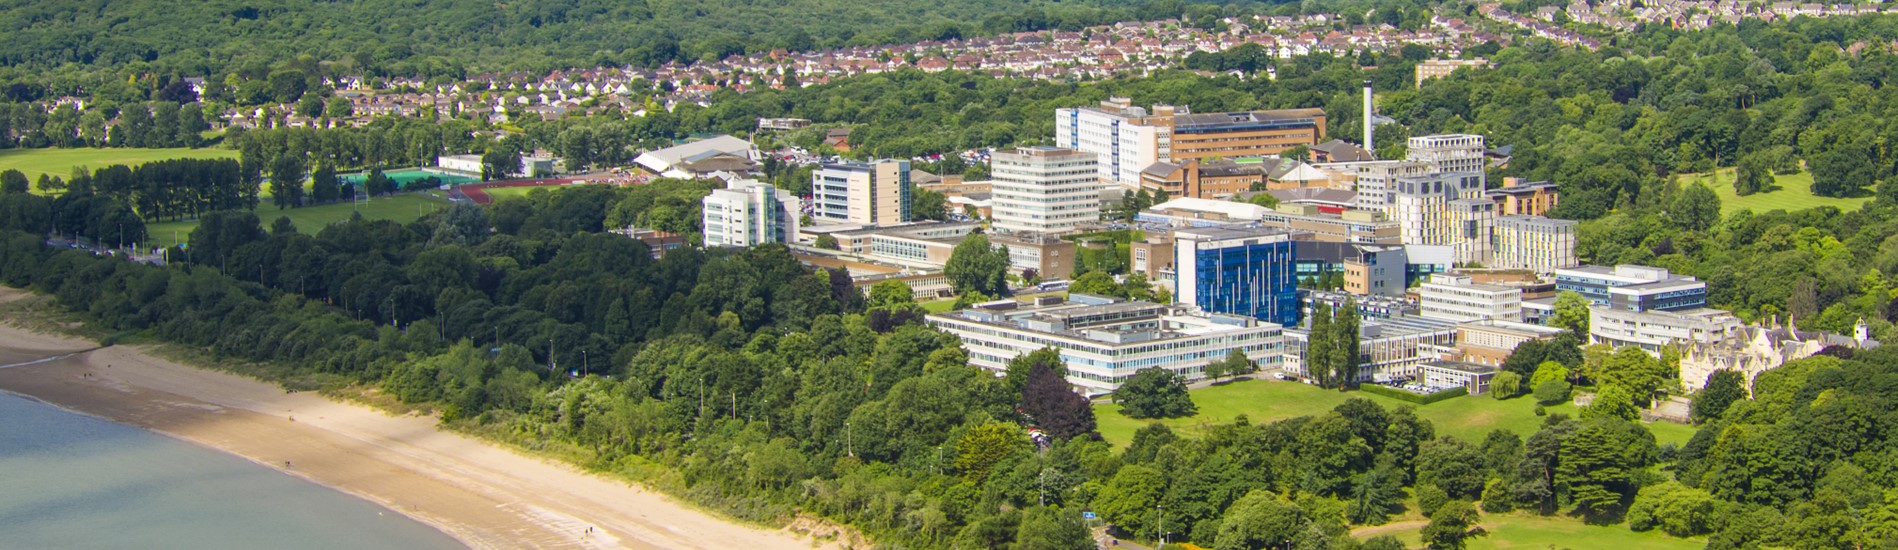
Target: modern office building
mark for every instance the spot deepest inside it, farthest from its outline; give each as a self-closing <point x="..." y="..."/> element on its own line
<point x="1246" y="133"/>
<point x="749" y="213"/>
<point x="1519" y="198"/>
<point x="868" y="193"/>
<point x="1450" y="154"/>
<point x="1104" y="341"/>
<point x="1240" y="271"/>
<point x="1533" y="243"/>
<point x="1656" y="329"/>
<point x="1049" y="255"/>
<point x="1044" y="189"/>
<point x="1455" y="298"/>
<point x="1633" y="287"/>
<point x="1373" y="181"/>
<point x="1376" y="270"/>
<point x="1443" y="209"/>
<point x="1388" y="348"/>
<point x="1347" y="226"/>
<point x="1127" y="139"/>
<point x="1445" y="375"/>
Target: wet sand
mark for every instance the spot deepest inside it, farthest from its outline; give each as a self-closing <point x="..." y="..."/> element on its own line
<point x="482" y="495"/>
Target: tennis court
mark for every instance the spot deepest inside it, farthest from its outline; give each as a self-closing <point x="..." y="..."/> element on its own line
<point x="403" y="177"/>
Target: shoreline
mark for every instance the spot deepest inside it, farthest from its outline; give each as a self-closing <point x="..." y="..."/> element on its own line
<point x="480" y="494"/>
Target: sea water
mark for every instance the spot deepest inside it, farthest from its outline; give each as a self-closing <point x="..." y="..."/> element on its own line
<point x="73" y="481"/>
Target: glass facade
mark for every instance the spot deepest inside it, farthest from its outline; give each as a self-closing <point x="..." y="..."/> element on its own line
<point x="1256" y="280"/>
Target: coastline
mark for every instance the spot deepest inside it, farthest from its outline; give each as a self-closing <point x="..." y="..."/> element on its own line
<point x="482" y="495"/>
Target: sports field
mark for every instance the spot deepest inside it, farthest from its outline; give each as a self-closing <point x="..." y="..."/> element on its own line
<point x="1528" y="531"/>
<point x="60" y="162"/>
<point x="402" y="208"/>
<point x="405" y="176"/>
<point x="1267" y="399"/>
<point x="1795" y="193"/>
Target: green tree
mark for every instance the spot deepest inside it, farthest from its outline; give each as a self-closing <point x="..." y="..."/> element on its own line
<point x="1261" y="519"/>
<point x="827" y="242"/>
<point x="1552" y="392"/>
<point x="1505" y="385"/>
<point x="500" y="163"/>
<point x="324" y="185"/>
<point x="286" y="181"/>
<point x="1130" y="500"/>
<point x="1052" y="403"/>
<point x="929" y="205"/>
<point x="1754" y="175"/>
<point x="1451" y="526"/>
<point x="1612" y="401"/>
<point x="890" y="293"/>
<point x="1052" y="528"/>
<point x="1696" y="209"/>
<point x="977" y="266"/>
<point x="1599" y="462"/>
<point x="1723" y="389"/>
<point x="985" y="445"/>
<point x="339" y="107"/>
<point x="1097" y="282"/>
<point x="1155" y="392"/>
<point x="1571" y="312"/>
<point x="1452" y="465"/>
<point x="13" y="182"/>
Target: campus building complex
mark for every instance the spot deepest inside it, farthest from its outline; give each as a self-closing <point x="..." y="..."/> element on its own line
<point x="1534" y="243"/>
<point x="1457" y="299"/>
<point x="1633" y="287"/>
<point x="1104" y="341"/>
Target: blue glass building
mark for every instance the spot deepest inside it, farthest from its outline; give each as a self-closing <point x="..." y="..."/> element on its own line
<point x="1239" y="271"/>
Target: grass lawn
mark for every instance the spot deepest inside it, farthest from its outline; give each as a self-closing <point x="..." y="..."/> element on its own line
<point x="1795" y="193"/>
<point x="1267" y="399"/>
<point x="499" y="193"/>
<point x="939" y="306"/>
<point x="60" y="162"/>
<point x="402" y="208"/>
<point x="1527" y="531"/>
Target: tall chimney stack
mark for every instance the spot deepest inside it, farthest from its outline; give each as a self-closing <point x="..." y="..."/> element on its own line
<point x="1370" y="114"/>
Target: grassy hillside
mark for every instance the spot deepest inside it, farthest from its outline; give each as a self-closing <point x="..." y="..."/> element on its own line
<point x="1266" y="400"/>
<point x="402" y="208"/>
<point x="60" y="162"/>
<point x="1795" y="193"/>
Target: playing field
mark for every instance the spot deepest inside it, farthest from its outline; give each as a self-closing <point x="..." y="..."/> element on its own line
<point x="403" y="177"/>
<point x="1267" y="399"/>
<point x="1795" y="193"/>
<point x="1529" y="531"/>
<point x="60" y="162"/>
<point x="402" y="208"/>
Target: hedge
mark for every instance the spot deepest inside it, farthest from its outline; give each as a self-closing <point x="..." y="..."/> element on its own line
<point x="1414" y="398"/>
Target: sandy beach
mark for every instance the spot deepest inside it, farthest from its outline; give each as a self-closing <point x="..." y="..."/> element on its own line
<point x="482" y="495"/>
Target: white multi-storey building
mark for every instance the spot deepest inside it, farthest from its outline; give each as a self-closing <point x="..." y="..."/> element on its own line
<point x="1444" y="209"/>
<point x="1124" y="139"/>
<point x="1450" y="153"/>
<point x="1104" y="341"/>
<point x="1456" y="299"/>
<point x="1656" y="329"/>
<point x="1044" y="189"/>
<point x="749" y="213"/>
<point x="868" y="193"/>
<point x="1532" y="242"/>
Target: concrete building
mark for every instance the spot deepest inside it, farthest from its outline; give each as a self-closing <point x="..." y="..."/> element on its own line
<point x="1239" y="271"/>
<point x="1450" y="154"/>
<point x="1373" y="181"/>
<point x="1441" y="209"/>
<point x="1127" y="139"/>
<point x="1633" y="287"/>
<point x="1754" y="349"/>
<point x="1439" y="68"/>
<point x="1049" y="255"/>
<point x="1348" y="226"/>
<point x="1044" y="189"/>
<point x="1152" y="258"/>
<point x="1533" y="243"/>
<point x="1104" y="341"/>
<point x="749" y="213"/>
<point x="1517" y="198"/>
<point x="1456" y="299"/>
<point x="1388" y="348"/>
<point x="1491" y="342"/>
<point x="1376" y="270"/>
<point x="1656" y="329"/>
<point x="1369" y="307"/>
<point x="1202" y="179"/>
<point x="1442" y="375"/>
<point x="461" y="165"/>
<point x="1246" y="133"/>
<point x="871" y="193"/>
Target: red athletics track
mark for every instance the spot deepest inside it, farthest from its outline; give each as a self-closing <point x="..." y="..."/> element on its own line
<point x="477" y="191"/>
